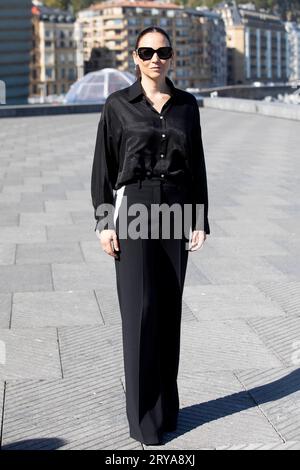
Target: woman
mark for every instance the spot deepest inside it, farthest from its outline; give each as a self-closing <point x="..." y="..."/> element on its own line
<point x="149" y="149"/>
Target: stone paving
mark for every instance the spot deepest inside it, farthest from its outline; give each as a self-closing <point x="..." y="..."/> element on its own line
<point x="61" y="365"/>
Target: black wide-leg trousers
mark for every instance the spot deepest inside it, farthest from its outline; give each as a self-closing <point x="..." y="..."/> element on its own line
<point x="150" y="276"/>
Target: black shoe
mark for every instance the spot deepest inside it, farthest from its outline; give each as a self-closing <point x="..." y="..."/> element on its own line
<point x="157" y="442"/>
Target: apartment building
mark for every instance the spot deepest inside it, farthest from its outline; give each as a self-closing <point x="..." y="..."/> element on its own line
<point x="207" y="60"/>
<point x="293" y="31"/>
<point x="109" y="30"/>
<point x="257" y="44"/>
<point x="53" y="56"/>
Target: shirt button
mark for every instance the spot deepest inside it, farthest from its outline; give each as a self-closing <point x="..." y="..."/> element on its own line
<point x="161" y="155"/>
<point x="148" y="172"/>
<point x="162" y="175"/>
<point x="161" y="117"/>
<point x="163" y="135"/>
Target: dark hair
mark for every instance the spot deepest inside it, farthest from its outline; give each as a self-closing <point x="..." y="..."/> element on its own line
<point x="150" y="29"/>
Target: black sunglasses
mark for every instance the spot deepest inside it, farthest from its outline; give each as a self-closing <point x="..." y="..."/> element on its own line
<point x="146" y="53"/>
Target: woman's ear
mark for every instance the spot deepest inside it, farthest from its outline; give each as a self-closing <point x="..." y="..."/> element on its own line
<point x="134" y="59"/>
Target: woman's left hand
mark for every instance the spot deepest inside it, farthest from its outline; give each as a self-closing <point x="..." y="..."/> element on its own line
<point x="197" y="239"/>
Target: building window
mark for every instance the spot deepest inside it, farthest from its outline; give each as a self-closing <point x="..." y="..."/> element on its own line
<point x="49" y="72"/>
<point x="71" y="74"/>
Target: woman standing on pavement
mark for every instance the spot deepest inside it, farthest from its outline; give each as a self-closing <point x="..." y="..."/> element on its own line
<point x="149" y="149"/>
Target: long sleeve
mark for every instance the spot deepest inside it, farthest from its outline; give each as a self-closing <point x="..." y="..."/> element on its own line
<point x="104" y="172"/>
<point x="199" y="189"/>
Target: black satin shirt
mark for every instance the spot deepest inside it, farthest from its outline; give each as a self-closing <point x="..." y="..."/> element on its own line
<point x="135" y="141"/>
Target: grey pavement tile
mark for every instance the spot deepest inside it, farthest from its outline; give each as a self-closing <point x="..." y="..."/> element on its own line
<point x="208" y="249"/>
<point x="250" y="227"/>
<point x="62" y="186"/>
<point x="22" y="206"/>
<point x="285" y="294"/>
<point x="9" y="219"/>
<point x="216" y="200"/>
<point x="23" y="188"/>
<point x="88" y="349"/>
<point x="109" y="305"/>
<point x="245" y="269"/>
<point x="194" y="274"/>
<point x="219" y="302"/>
<point x="44" y="309"/>
<point x="44" y="196"/>
<point x="277" y="392"/>
<point x="270" y="213"/>
<point x="9" y="197"/>
<point x="71" y="178"/>
<point x="84" y="194"/>
<point x="66" y="414"/>
<point x="5" y="310"/>
<point x="234" y="245"/>
<point x="41" y="180"/>
<point x="221" y="212"/>
<point x="216" y="229"/>
<point x="289" y="265"/>
<point x="31" y="219"/>
<point x="290" y="243"/>
<point x="291" y="224"/>
<point x="250" y="199"/>
<point x="215" y="410"/>
<point x="93" y="251"/>
<point x="24" y="278"/>
<point x="71" y="233"/>
<point x="83" y="275"/>
<point x="42" y="253"/>
<point x="290" y="445"/>
<point x="84" y="218"/>
<point x="31" y="174"/>
<point x="281" y="335"/>
<point x="187" y="313"/>
<point x="30" y="353"/>
<point x="22" y="235"/>
<point x="223" y="344"/>
<point x="7" y="253"/>
<point x="68" y="205"/>
<point x="292" y="209"/>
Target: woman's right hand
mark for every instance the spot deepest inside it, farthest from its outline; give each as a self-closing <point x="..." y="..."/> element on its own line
<point x="109" y="242"/>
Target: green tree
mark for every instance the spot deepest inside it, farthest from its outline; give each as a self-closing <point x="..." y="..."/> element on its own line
<point x="64" y="4"/>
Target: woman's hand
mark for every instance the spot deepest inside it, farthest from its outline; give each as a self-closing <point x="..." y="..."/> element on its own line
<point x="109" y="242"/>
<point x="197" y="239"/>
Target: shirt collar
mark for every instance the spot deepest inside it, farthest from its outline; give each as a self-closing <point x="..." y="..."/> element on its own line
<point x="136" y="89"/>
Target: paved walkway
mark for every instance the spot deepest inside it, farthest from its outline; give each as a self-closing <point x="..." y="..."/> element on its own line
<point x="61" y="365"/>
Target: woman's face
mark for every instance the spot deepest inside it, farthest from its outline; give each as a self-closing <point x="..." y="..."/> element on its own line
<point x="155" y="66"/>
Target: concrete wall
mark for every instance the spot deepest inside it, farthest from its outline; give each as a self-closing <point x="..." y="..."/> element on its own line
<point x="279" y="110"/>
